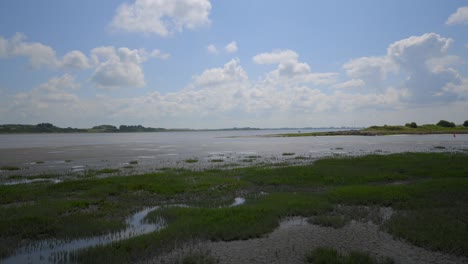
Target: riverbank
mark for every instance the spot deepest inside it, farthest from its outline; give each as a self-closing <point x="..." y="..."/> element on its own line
<point x="426" y="191"/>
<point x="383" y="131"/>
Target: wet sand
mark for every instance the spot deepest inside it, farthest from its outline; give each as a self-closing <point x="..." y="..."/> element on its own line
<point x="68" y="154"/>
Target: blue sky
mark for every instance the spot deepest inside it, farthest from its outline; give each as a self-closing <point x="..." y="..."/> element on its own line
<point x="219" y="63"/>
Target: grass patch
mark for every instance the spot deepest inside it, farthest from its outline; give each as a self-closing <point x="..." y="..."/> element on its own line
<point x="335" y="221"/>
<point x="191" y="161"/>
<point x="133" y="162"/>
<point x="128" y="167"/>
<point x="9" y="168"/>
<point x="288" y="154"/>
<point x="217" y="160"/>
<point x="300" y="158"/>
<point x="431" y="209"/>
<point x="325" y="255"/>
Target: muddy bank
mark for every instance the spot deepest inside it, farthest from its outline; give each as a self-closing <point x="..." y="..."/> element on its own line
<point x="295" y="237"/>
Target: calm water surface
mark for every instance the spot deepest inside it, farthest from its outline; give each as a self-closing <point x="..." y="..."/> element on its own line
<point x="69" y="153"/>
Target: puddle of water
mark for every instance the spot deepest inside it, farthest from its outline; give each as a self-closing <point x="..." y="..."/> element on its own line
<point x="77" y="168"/>
<point x="53" y="251"/>
<point x="27" y="181"/>
<point x="146" y="157"/>
<point x="238" y="201"/>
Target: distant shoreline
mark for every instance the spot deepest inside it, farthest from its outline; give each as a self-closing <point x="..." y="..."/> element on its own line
<point x="383" y="131"/>
<point x="47" y="128"/>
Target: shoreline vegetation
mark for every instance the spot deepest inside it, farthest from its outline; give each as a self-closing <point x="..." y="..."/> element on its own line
<point x="50" y="128"/>
<point x="442" y="127"/>
<point x="426" y="191"/>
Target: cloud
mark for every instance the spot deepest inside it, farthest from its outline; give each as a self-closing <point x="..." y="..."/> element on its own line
<point x="276" y="57"/>
<point x="415" y="50"/>
<point x="159" y="54"/>
<point x="38" y="54"/>
<point x="231" y="72"/>
<point x="53" y="94"/>
<point x="370" y="70"/>
<point x="353" y="83"/>
<point x="76" y="60"/>
<point x="459" y="17"/>
<point x="231" y="47"/>
<point x="57" y="84"/>
<point x="118" y="68"/>
<point x="162" y="17"/>
<point x="212" y="49"/>
<point x="292" y="71"/>
<point x="420" y="64"/>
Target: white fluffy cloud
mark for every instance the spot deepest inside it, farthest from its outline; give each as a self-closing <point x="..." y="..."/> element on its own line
<point x="212" y="49"/>
<point x="162" y="17"/>
<point x="459" y="17"/>
<point x="420" y="64"/>
<point x="37" y="53"/>
<point x="291" y="70"/>
<point x="231" y="47"/>
<point x="120" y="68"/>
<point x="75" y="59"/>
<point x="231" y="72"/>
<point x="48" y="97"/>
<point x="371" y="70"/>
<point x="112" y="68"/>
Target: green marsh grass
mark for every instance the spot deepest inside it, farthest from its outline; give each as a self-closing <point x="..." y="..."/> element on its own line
<point x="431" y="203"/>
<point x="105" y="171"/>
<point x="9" y="168"/>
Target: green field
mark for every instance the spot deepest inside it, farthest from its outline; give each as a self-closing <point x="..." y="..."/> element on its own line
<point x="427" y="190"/>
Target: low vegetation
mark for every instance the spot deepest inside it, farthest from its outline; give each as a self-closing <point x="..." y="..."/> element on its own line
<point x="9" y="168"/>
<point x="442" y="127"/>
<point x="427" y="190"/>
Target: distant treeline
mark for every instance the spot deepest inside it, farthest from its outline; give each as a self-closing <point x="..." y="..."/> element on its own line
<point x="50" y="128"/>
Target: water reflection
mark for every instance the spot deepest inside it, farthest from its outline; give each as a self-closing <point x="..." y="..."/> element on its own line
<point x="58" y="251"/>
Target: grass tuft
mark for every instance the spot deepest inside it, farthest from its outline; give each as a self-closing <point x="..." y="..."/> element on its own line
<point x="9" y="168"/>
<point x="105" y="171"/>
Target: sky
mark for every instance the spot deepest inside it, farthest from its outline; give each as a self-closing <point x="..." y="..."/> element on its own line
<point x="233" y="63"/>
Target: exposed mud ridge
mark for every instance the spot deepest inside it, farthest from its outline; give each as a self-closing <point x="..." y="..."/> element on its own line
<point x="295" y="237"/>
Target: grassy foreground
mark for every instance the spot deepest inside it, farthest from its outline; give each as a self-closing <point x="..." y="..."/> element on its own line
<point x="428" y="190"/>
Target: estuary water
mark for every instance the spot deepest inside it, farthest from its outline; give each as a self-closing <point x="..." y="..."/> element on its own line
<point x="75" y="153"/>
